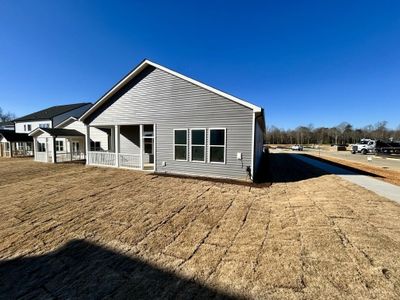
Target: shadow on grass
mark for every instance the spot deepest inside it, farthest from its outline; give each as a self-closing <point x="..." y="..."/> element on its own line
<point x="81" y="269"/>
<point x="284" y="167"/>
<point x="348" y="168"/>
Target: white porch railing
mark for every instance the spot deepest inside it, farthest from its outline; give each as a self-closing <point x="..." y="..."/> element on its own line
<point x="129" y="160"/>
<point x="41" y="156"/>
<point x="68" y="156"/>
<point x="101" y="158"/>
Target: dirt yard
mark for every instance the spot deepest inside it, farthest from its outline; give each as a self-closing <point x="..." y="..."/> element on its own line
<point x="71" y="231"/>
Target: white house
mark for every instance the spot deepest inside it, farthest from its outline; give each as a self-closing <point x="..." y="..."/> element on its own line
<point x="49" y="117"/>
<point x="67" y="140"/>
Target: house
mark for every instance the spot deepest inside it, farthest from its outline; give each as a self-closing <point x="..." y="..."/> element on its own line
<point x="15" y="144"/>
<point x="67" y="140"/>
<point x="49" y="117"/>
<point x="163" y="121"/>
<point x="7" y="125"/>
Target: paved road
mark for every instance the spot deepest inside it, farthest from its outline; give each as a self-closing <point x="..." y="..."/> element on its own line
<point x="379" y="187"/>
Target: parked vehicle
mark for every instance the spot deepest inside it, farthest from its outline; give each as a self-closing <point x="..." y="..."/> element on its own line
<point x="364" y="146"/>
<point x="297" y="148"/>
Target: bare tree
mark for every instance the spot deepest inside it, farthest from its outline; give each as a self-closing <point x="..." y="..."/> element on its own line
<point x="6" y="116"/>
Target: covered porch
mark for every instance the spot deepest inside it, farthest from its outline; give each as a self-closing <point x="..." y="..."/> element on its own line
<point x="15" y="144"/>
<point x="130" y="146"/>
<point x="54" y="145"/>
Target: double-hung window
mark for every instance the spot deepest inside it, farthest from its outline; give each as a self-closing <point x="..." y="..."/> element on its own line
<point x="180" y="144"/>
<point x="59" y="146"/>
<point x="217" y="145"/>
<point x="198" y="145"/>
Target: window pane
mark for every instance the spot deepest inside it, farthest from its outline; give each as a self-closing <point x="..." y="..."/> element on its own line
<point x="198" y="137"/>
<point x="217" y="137"/>
<point x="217" y="154"/>
<point x="198" y="153"/>
<point x="180" y="152"/>
<point x="180" y="137"/>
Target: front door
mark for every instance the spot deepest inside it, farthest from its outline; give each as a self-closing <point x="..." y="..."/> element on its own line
<point x="75" y="147"/>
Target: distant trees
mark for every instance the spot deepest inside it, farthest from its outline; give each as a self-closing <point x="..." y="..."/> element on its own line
<point x="6" y="116"/>
<point x="344" y="133"/>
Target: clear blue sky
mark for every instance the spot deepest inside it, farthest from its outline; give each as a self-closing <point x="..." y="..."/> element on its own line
<point x="320" y="62"/>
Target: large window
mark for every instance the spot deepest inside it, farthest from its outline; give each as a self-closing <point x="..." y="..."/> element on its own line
<point x="59" y="145"/>
<point x="217" y="146"/>
<point x="29" y="127"/>
<point x="180" y="144"/>
<point x="198" y="145"/>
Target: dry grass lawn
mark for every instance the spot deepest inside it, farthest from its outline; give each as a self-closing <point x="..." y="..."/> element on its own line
<point x="73" y="231"/>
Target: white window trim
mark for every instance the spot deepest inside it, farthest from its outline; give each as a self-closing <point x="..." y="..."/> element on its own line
<point x="58" y="145"/>
<point x="187" y="145"/>
<point x="204" y="145"/>
<point x="209" y="146"/>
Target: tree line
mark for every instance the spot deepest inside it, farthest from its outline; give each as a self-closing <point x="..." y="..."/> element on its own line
<point x="6" y="116"/>
<point x="344" y="133"/>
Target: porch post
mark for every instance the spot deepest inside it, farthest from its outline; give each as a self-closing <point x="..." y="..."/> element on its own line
<point x="11" y="149"/>
<point x="34" y="147"/>
<point x="70" y="148"/>
<point x="54" y="158"/>
<point x="141" y="145"/>
<point x="116" y="145"/>
<point x="87" y="143"/>
<point x="47" y="149"/>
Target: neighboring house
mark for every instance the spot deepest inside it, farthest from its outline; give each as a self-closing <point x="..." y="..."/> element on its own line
<point x="163" y="121"/>
<point x="15" y="144"/>
<point x="67" y="140"/>
<point x="49" y="117"/>
<point x="8" y="125"/>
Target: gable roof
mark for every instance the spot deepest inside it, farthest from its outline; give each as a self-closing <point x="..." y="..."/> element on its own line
<point x="66" y="122"/>
<point x="11" y="136"/>
<point x="146" y="63"/>
<point x="56" y="132"/>
<point x="51" y="112"/>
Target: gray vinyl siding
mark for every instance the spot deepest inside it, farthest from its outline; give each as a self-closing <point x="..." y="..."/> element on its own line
<point x="173" y="103"/>
<point x="129" y="140"/>
<point x="72" y="113"/>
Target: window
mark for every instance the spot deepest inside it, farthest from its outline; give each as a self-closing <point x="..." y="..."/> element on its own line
<point x="41" y="147"/>
<point x="198" y="145"/>
<point x="25" y="127"/>
<point x="59" y="145"/>
<point x="44" y="125"/>
<point x="29" y="127"/>
<point x="148" y="145"/>
<point x="180" y="144"/>
<point x="217" y="146"/>
<point x="95" y="146"/>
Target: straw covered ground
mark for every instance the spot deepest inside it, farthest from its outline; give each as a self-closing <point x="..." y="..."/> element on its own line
<point x="71" y="231"/>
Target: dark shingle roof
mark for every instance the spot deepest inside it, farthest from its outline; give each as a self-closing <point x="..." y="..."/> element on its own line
<point x="50" y="112"/>
<point x="62" y="132"/>
<point x="11" y="136"/>
<point x="6" y="123"/>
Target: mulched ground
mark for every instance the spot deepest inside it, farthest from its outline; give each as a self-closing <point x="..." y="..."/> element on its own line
<point x="73" y="231"/>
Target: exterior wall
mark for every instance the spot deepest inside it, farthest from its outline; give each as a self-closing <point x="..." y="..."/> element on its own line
<point x="19" y="126"/>
<point x="96" y="135"/>
<point x="129" y="140"/>
<point x="157" y="97"/>
<point x="72" y="113"/>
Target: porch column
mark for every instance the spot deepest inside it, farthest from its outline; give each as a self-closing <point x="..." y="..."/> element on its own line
<point x="87" y="143"/>
<point x="34" y="147"/>
<point x="116" y="145"/>
<point x="54" y="158"/>
<point x="47" y="149"/>
<point x="11" y="149"/>
<point x="70" y="148"/>
<point x="141" y="145"/>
